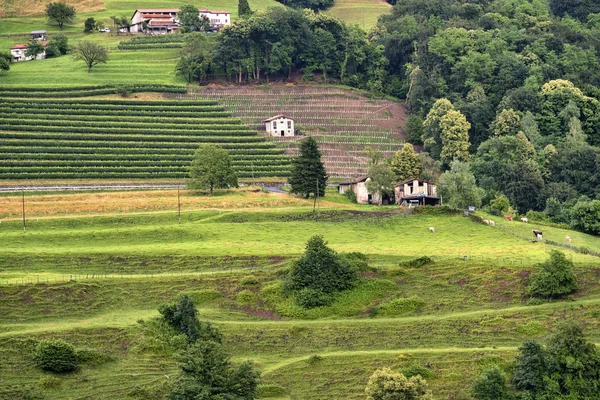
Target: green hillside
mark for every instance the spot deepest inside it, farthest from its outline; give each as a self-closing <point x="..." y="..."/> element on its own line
<point x="451" y="318"/>
<point x="66" y="139"/>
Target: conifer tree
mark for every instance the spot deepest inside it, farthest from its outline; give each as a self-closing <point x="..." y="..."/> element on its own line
<point x="244" y="8"/>
<point x="406" y="163"/>
<point x="307" y="170"/>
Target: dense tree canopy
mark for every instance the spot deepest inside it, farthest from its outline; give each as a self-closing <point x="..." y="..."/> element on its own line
<point x="211" y="169"/>
<point x="60" y="13"/>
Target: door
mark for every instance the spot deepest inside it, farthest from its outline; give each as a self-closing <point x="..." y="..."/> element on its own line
<point x="282" y="133"/>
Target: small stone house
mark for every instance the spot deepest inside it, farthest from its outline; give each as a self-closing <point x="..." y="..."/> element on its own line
<point x="359" y="187"/>
<point x="18" y="52"/>
<point x="416" y="192"/>
<point x="280" y="125"/>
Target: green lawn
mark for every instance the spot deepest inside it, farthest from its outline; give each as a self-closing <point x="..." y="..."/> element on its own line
<point x="97" y="282"/>
<point x="363" y="13"/>
<point x="121" y="67"/>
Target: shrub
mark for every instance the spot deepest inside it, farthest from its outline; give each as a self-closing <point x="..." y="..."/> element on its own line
<point x="311" y="298"/>
<point x="56" y="355"/>
<point x="500" y="204"/>
<point x="245" y="297"/>
<point x="385" y="384"/>
<point x="491" y="385"/>
<point x="417" y="262"/>
<point x="204" y="295"/>
<point x="320" y="269"/>
<point x="315" y="358"/>
<point x="182" y="316"/>
<point x="123" y="90"/>
<point x="350" y="195"/>
<point x="554" y="278"/>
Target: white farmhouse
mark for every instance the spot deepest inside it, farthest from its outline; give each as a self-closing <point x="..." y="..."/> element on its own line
<point x="280" y="125"/>
<point x="164" y="20"/>
<point x="18" y="52"/>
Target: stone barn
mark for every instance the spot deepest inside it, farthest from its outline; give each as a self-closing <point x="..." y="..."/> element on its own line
<point x="363" y="195"/>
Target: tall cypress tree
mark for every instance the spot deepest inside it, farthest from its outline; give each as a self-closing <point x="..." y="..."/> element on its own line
<point x="244" y="8"/>
<point x="307" y="169"/>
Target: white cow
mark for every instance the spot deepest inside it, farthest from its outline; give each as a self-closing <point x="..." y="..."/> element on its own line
<point x="492" y="223"/>
<point x="485" y="221"/>
<point x="431" y="229"/>
<point x="568" y="238"/>
<point x="524" y="220"/>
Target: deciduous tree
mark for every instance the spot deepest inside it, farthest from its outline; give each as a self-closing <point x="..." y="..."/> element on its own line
<point x="5" y="59"/>
<point x="458" y="187"/>
<point x="455" y="137"/>
<point x="554" y="278"/>
<point x="60" y="13"/>
<point x="91" y="53"/>
<point x="34" y="48"/>
<point x="89" y="25"/>
<point x="381" y="180"/>
<point x="211" y="169"/>
<point x="406" y="163"/>
<point x="491" y="385"/>
<point x="432" y="129"/>
<point x="190" y="19"/>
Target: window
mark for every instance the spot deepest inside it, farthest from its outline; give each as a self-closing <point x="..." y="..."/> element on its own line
<point x="289" y="124"/>
<point x="274" y="124"/>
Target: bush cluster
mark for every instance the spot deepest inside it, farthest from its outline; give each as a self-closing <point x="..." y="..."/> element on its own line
<point x="56" y="355"/>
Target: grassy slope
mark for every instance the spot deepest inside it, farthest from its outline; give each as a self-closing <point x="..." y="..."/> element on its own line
<point x="363" y="13"/>
<point x="471" y="313"/>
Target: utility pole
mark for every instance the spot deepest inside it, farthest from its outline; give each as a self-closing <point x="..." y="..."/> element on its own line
<point x="178" y="207"/>
<point x="23" y="202"/>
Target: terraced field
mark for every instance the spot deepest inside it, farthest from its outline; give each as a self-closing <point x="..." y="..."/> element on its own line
<point x="93" y="269"/>
<point x="342" y="121"/>
<point x="65" y="139"/>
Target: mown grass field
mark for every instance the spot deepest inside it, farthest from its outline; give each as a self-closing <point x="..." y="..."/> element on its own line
<point x="92" y="269"/>
<point x="363" y="13"/>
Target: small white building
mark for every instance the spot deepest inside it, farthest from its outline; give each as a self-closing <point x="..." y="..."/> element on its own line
<point x="164" y="20"/>
<point x="280" y="125"/>
<point x="38" y="35"/>
<point x="18" y="52"/>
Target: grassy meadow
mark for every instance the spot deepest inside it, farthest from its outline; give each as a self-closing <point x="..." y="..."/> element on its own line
<point x="363" y="13"/>
<point x="92" y="269"/>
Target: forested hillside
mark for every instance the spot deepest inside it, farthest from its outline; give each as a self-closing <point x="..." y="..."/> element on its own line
<point x="524" y="73"/>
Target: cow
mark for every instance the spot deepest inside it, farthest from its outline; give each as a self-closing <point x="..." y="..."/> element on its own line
<point x="492" y="223"/>
<point x="486" y="221"/>
<point x="524" y="220"/>
<point x="568" y="238"/>
<point x="508" y="217"/>
<point x="431" y="229"/>
<point x="538" y="235"/>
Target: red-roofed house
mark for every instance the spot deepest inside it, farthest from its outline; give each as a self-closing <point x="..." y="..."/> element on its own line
<point x="164" y="20"/>
<point x="18" y="52"/>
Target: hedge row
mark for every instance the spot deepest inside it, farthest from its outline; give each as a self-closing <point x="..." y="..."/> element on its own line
<point x="158" y="107"/>
<point x="94" y="118"/>
<point x="56" y="142"/>
<point x="89" y="92"/>
<point x="168" y="164"/>
<point x="150" y="46"/>
<point x="261" y="164"/>
<point x="192" y="140"/>
<point x="26" y="148"/>
<point x="117" y="102"/>
<point x="127" y="175"/>
<point x="158" y="113"/>
<point x="139" y="86"/>
<point x="170" y="38"/>
<point x="17" y="157"/>
<point x="25" y="124"/>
